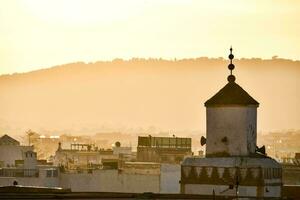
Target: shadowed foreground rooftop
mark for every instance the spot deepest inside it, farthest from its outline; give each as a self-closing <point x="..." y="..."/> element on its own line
<point x="20" y="192"/>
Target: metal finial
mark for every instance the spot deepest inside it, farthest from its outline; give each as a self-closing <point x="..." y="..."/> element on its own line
<point x="231" y="78"/>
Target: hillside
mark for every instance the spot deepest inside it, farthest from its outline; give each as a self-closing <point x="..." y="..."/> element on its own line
<point x="170" y="95"/>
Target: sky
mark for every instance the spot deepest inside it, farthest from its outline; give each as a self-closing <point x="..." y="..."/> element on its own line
<point x="38" y="34"/>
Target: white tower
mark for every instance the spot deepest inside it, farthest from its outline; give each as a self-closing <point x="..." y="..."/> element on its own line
<point x="233" y="165"/>
<point x="231" y="120"/>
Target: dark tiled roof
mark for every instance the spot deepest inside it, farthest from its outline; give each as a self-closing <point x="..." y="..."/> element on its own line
<point x="5" y="139"/>
<point x="231" y="94"/>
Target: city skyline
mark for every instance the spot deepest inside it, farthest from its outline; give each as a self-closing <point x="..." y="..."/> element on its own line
<point x="196" y="99"/>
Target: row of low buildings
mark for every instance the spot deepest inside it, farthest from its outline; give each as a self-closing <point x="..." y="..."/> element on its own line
<point x="87" y="168"/>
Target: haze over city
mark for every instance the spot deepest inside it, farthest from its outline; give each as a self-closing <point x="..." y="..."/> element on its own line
<point x="167" y="93"/>
<point x="149" y="99"/>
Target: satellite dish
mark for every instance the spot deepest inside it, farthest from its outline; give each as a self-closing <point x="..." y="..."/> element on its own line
<point x="261" y="150"/>
<point x="202" y="140"/>
<point x="118" y="144"/>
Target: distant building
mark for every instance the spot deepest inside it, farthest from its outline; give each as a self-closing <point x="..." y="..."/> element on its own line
<point x="80" y="177"/>
<point x="291" y="170"/>
<point x="11" y="150"/>
<point x="7" y="140"/>
<point x="82" y="156"/>
<point x="233" y="164"/>
<point x="163" y="149"/>
<point x="19" y="164"/>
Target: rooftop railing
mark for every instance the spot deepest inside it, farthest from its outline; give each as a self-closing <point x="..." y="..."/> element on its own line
<point x="13" y="172"/>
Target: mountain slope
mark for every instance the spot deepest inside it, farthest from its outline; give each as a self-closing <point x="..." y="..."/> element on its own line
<point x="142" y="93"/>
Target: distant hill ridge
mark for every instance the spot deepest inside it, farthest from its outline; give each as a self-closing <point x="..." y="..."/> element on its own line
<point x="145" y="92"/>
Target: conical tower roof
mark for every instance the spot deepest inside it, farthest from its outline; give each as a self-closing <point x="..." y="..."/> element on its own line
<point x="231" y="94"/>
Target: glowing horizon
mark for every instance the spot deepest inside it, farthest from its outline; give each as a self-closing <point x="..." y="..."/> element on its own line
<point x="38" y="34"/>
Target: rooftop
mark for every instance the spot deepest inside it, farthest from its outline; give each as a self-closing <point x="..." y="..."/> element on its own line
<point x="231" y="94"/>
<point x="7" y="140"/>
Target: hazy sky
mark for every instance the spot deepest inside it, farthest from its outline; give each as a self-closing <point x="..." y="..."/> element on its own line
<point x="43" y="33"/>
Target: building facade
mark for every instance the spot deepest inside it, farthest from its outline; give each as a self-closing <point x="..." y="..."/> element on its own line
<point x="163" y="149"/>
<point x="82" y="156"/>
<point x="11" y="150"/>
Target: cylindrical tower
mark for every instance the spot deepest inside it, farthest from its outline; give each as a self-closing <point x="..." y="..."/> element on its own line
<point x="231" y="120"/>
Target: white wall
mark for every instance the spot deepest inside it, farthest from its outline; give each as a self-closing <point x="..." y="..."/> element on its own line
<point x="30" y="181"/>
<point x="42" y="180"/>
<point x="164" y="181"/>
<point x="219" y="190"/>
<point x="110" y="181"/>
<point x="10" y="153"/>
<point x="121" y="150"/>
<point x="238" y="124"/>
<point x="169" y="178"/>
<point x="273" y="191"/>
